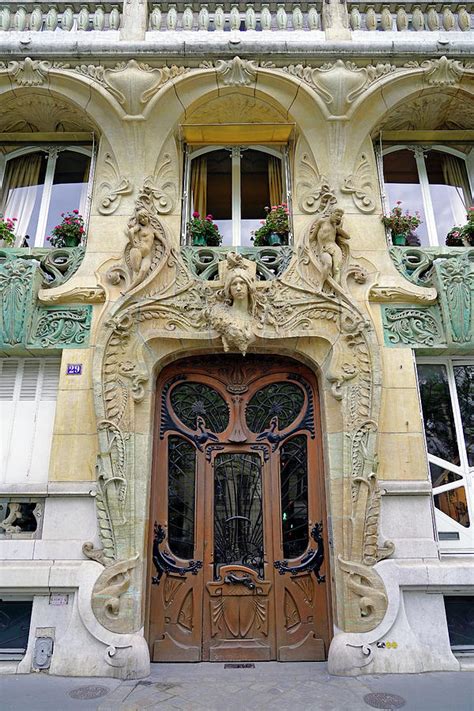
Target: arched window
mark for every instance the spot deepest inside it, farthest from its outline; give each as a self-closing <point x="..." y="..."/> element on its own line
<point x="38" y="184"/>
<point x="234" y="185"/>
<point x="435" y="181"/>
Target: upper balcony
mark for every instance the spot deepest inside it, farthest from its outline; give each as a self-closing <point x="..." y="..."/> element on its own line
<point x="166" y="25"/>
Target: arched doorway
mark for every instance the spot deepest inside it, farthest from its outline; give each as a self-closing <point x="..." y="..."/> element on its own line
<point x="237" y="513"/>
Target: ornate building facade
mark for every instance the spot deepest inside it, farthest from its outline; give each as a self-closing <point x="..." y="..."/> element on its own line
<point x="236" y="452"/>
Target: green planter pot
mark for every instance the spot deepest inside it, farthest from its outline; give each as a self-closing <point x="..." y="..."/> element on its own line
<point x="276" y="240"/>
<point x="399" y="240"/>
<point x="71" y="242"/>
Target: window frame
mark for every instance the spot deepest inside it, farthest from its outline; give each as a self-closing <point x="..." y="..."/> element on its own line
<point x="190" y="154"/>
<point x="465" y="543"/>
<point x="52" y="152"/>
<point x="419" y="151"/>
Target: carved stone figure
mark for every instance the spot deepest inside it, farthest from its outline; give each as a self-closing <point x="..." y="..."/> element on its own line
<point x="141" y="236"/>
<point x="232" y="315"/>
<point x="327" y="240"/>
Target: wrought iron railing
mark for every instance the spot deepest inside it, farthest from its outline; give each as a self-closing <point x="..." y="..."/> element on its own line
<point x="203" y="262"/>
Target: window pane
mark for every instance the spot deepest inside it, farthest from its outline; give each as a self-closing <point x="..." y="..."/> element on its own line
<point x="459" y="611"/>
<point x="22" y="193"/>
<point x="69" y="191"/>
<point x="448" y="187"/>
<point x="294" y="496"/>
<point x="453" y="503"/>
<point x="441" y="476"/>
<point x="181" y="485"/>
<point x="238" y="513"/>
<point x="402" y="183"/>
<point x="275" y="406"/>
<point x="437" y="412"/>
<point x="255" y="191"/>
<point x="464" y="377"/>
<point x="199" y="406"/>
<point x="219" y="192"/>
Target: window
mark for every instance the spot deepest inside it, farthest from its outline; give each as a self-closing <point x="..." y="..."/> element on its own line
<point x="234" y="185"/>
<point x="460" y="616"/>
<point x="433" y="181"/>
<point x="28" y="391"/>
<point x="447" y="399"/>
<point x="39" y="184"/>
<point x="15" y="617"/>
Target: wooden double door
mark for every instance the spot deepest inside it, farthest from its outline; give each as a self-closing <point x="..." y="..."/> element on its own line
<point x="237" y="538"/>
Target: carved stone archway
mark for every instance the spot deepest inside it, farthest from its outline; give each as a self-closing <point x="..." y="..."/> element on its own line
<point x="313" y="300"/>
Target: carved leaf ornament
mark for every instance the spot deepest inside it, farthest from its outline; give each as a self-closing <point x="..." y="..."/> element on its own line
<point x="162" y="299"/>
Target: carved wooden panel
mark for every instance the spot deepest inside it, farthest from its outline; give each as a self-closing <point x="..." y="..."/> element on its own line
<point x="240" y="500"/>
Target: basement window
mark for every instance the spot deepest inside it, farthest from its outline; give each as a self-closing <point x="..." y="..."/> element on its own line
<point x="15" y="618"/>
<point x="460" y="616"/>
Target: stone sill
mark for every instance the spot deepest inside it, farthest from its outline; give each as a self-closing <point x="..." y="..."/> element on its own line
<point x="193" y="45"/>
<point x="53" y="488"/>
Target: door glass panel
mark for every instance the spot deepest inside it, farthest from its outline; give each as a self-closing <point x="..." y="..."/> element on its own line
<point x="276" y="405"/>
<point x="453" y="503"/>
<point x="460" y="620"/>
<point x="238" y="514"/>
<point x="199" y="406"/>
<point x="294" y="496"/>
<point x="449" y="188"/>
<point x="218" y="192"/>
<point x="402" y="183"/>
<point x="22" y="194"/>
<point x="254" y="192"/>
<point x="437" y="412"/>
<point x="181" y="494"/>
<point x="464" y="377"/>
<point x="441" y="476"/>
<point x="71" y="177"/>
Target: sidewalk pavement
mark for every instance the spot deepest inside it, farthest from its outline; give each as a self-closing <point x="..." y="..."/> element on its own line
<point x="300" y="686"/>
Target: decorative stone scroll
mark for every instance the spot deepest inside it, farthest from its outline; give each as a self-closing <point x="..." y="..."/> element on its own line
<point x="161" y="299"/>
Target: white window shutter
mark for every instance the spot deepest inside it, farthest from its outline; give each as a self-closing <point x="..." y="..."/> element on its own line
<point x="29" y="417"/>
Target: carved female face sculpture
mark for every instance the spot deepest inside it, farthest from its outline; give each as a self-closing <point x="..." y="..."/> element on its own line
<point x="238" y="289"/>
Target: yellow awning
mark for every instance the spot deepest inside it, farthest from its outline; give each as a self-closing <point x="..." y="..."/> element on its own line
<point x="236" y="134"/>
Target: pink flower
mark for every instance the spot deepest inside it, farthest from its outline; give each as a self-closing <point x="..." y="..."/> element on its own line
<point x="209" y="217"/>
<point x="81" y="230"/>
<point x="399" y="202"/>
<point x="76" y="212"/>
<point x="15" y="219"/>
<point x="195" y="214"/>
<point x="262" y="222"/>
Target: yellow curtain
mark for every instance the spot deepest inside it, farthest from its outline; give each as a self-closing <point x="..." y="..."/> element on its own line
<point x="275" y="182"/>
<point x="199" y="185"/>
<point x="22" y="172"/>
<point x="454" y="173"/>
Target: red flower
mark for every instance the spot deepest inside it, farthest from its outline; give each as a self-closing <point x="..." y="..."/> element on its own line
<point x="196" y="214"/>
<point x="76" y="212"/>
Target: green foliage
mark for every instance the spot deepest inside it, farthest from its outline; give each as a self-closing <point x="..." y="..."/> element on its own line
<point x="69" y="232"/>
<point x="462" y="236"/>
<point x="7" y="226"/>
<point x="401" y="223"/>
<point x="203" y="232"/>
<point x="276" y="222"/>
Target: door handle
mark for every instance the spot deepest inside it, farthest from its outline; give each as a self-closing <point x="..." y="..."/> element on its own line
<point x="245" y="580"/>
<point x="312" y="559"/>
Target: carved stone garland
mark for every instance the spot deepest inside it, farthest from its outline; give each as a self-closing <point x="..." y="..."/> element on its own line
<point x="161" y="299"/>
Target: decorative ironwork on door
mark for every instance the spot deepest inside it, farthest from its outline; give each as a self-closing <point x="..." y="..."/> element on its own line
<point x="238" y="505"/>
